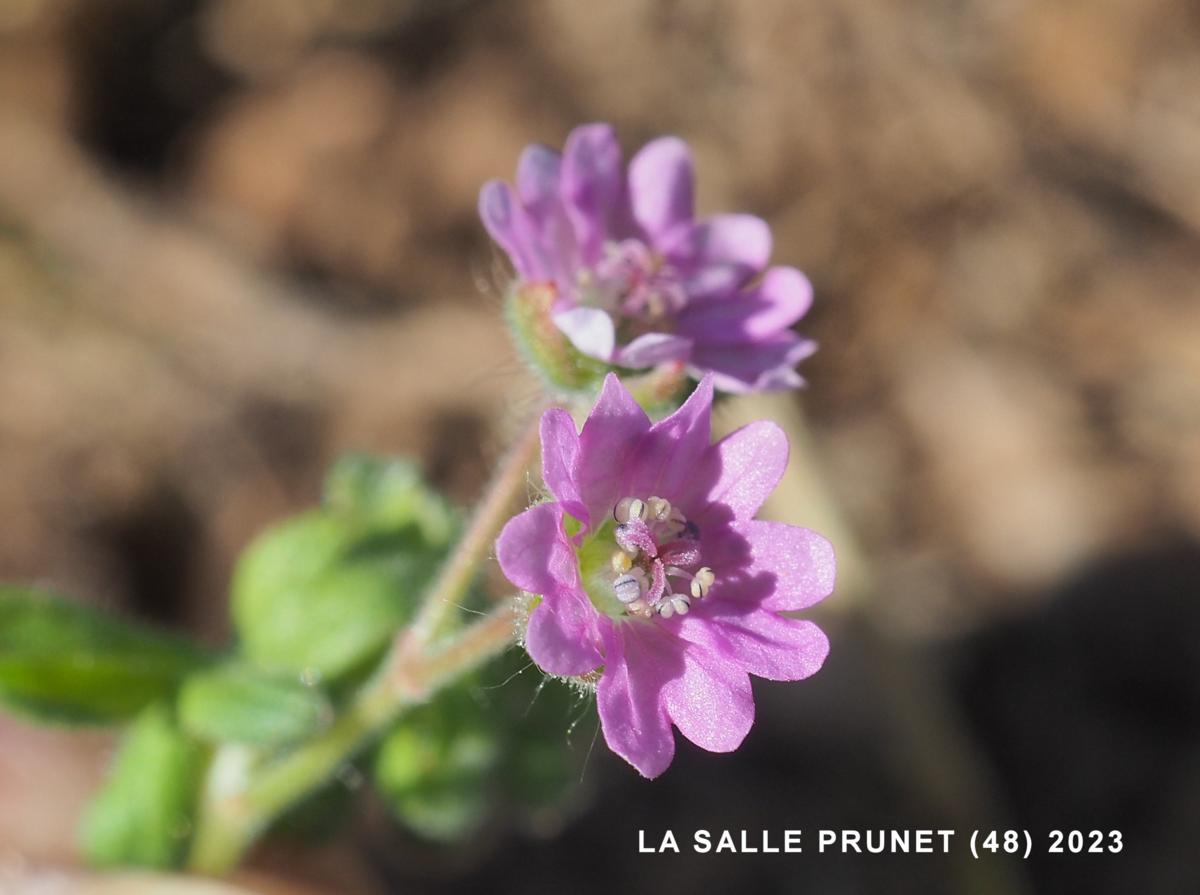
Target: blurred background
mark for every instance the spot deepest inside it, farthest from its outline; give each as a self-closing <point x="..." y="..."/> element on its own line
<point x="239" y="238"/>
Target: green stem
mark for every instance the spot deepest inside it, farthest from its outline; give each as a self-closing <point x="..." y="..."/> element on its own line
<point x="492" y="511"/>
<point x="230" y="821"/>
<point x="236" y="811"/>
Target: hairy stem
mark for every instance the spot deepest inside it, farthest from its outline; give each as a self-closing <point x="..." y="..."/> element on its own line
<point x="446" y="592"/>
<point x="230" y="820"/>
<point x="235" y="810"/>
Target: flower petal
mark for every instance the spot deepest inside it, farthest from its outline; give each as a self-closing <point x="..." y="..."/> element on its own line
<point x="562" y="636"/>
<point x="717" y="255"/>
<point x="800" y="562"/>
<point x="651" y="349"/>
<point x="763" y="366"/>
<point x="509" y="225"/>
<point x="667" y="458"/>
<point x="607" y="445"/>
<point x="534" y="552"/>
<point x="747" y="465"/>
<point x="761" y="642"/>
<point x="629" y="697"/>
<point x="782" y="298"/>
<point x="560" y="451"/>
<point x="592" y="185"/>
<point x="711" y="702"/>
<point x="539" y="173"/>
<point x="661" y="185"/>
<point x="590" y="330"/>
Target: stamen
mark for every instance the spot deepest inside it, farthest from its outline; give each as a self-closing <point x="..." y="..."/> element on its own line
<point x="681" y="553"/>
<point x="657" y="544"/>
<point x="674" y="604"/>
<point x="675" y="524"/>
<point x="630" y="586"/>
<point x="630" y="508"/>
<point x="702" y="581"/>
<point x="658" y="509"/>
<point x="640" y="608"/>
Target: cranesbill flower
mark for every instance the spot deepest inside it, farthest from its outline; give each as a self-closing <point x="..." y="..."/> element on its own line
<point x="651" y="568"/>
<point x="638" y="281"/>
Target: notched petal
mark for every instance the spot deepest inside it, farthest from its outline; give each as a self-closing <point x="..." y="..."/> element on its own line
<point x="629" y="700"/>
<point x="711" y="702"/>
<point x="749" y="464"/>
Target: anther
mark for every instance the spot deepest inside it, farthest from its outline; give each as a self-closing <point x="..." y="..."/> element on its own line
<point x="658" y="509"/>
<point x="675" y="523"/>
<point x="640" y="608"/>
<point x="702" y="581"/>
<point x="673" y="604"/>
<point x="630" y="508"/>
<point x="629" y="587"/>
<point x="621" y="562"/>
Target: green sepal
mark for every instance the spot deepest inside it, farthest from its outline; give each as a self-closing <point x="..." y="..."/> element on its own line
<point x="574" y="375"/>
<point x="544" y="346"/>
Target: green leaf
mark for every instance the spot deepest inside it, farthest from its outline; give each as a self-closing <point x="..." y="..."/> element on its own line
<point x="242" y="704"/>
<point x="501" y="737"/>
<point x="436" y="767"/>
<point x="64" y="662"/>
<point x="315" y="596"/>
<point x="143" y="814"/>
<point x="386" y="494"/>
<point x="324" y="592"/>
<point x="548" y="727"/>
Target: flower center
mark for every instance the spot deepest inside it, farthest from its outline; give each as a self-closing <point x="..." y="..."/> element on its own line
<point x="635" y="284"/>
<point x="656" y="568"/>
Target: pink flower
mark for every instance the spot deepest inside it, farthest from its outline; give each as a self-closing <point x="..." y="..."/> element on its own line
<point x="651" y="566"/>
<point x="638" y="280"/>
